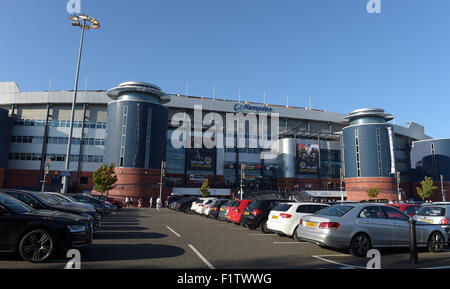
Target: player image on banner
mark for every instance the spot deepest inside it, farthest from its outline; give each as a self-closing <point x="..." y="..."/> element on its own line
<point x="308" y="157"/>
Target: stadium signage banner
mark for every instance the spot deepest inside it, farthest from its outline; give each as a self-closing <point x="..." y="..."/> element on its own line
<point x="201" y="159"/>
<point x="308" y="159"/>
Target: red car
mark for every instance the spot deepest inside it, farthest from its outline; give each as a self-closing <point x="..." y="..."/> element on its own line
<point x="235" y="213"/>
<point x="409" y="209"/>
<point x="118" y="204"/>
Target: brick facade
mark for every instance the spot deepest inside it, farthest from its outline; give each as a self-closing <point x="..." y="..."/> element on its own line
<point x="356" y="188"/>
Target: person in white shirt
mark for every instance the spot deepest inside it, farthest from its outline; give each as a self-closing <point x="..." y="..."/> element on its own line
<point x="158" y="203"/>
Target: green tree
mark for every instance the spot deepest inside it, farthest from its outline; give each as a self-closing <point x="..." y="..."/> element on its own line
<point x="105" y="178"/>
<point x="427" y="188"/>
<point x="204" y="190"/>
<point x="373" y="192"/>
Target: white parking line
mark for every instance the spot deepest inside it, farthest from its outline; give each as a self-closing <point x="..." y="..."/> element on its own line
<point x="344" y="266"/>
<point x="296" y="242"/>
<point x="261" y="234"/>
<point x="173" y="231"/>
<point x="201" y="257"/>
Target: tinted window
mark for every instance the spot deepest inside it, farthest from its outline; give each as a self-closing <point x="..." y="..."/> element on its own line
<point x="47" y="200"/>
<point x="371" y="213"/>
<point x="431" y="211"/>
<point x="14" y="206"/>
<point x="395" y="214"/>
<point x="412" y="210"/>
<point x="282" y="207"/>
<point x="61" y="199"/>
<point x="336" y="211"/>
<point x="255" y="204"/>
<point x="25" y="199"/>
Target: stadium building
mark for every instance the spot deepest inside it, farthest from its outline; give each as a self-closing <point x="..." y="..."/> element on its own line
<point x="132" y="126"/>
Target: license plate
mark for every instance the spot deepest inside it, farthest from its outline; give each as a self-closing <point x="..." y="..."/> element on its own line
<point x="246" y="213"/>
<point x="275" y="217"/>
<point x="310" y="225"/>
<point x="222" y="209"/>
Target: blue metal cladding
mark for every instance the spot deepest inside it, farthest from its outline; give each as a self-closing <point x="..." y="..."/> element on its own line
<point x="137" y="148"/>
<point x="374" y="151"/>
<point x="431" y="158"/>
<point x="5" y="125"/>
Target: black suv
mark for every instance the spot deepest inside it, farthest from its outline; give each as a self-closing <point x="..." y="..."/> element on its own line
<point x="37" y="234"/>
<point x="257" y="212"/>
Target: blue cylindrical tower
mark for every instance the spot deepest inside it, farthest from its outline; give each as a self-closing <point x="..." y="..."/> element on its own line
<point x="368" y="152"/>
<point x="136" y="137"/>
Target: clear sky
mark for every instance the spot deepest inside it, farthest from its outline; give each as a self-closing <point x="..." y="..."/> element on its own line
<point x="333" y="51"/>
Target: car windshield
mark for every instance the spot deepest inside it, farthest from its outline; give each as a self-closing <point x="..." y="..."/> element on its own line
<point x="282" y="207"/>
<point x="431" y="211"/>
<point x="46" y="199"/>
<point x="15" y="206"/>
<point x="335" y="211"/>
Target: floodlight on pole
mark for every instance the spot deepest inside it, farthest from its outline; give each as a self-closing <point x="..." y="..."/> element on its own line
<point x="80" y="20"/>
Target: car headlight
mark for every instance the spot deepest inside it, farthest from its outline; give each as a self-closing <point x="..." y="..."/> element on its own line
<point x="76" y="228"/>
<point x="87" y="216"/>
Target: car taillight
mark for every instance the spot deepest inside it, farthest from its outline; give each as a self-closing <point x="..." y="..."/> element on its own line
<point x="329" y="225"/>
<point x="285" y="216"/>
<point x="215" y="209"/>
<point x="444" y="222"/>
<point x="256" y="212"/>
<point x="301" y="222"/>
<point x="208" y="206"/>
<point x="201" y="205"/>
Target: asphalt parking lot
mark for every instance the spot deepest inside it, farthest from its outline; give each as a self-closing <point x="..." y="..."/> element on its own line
<point x="146" y="239"/>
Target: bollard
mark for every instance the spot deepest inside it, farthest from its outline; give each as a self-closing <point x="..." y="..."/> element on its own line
<point x="414" y="259"/>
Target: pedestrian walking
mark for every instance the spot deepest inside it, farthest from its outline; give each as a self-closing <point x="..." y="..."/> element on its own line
<point x="158" y="203"/>
<point x="127" y="201"/>
<point x="151" y="202"/>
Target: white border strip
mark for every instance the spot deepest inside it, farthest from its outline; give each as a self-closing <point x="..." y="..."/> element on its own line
<point x="201" y="257"/>
<point x="176" y="234"/>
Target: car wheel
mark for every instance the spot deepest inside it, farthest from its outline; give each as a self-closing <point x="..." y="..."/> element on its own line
<point x="264" y="227"/>
<point x="360" y="245"/>
<point x="37" y="246"/>
<point x="297" y="237"/>
<point x="436" y="242"/>
<point x="294" y="233"/>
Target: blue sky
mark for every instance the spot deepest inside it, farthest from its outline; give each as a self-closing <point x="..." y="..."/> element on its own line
<point x="330" y="50"/>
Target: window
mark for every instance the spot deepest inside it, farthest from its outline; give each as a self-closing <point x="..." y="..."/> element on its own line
<point x="358" y="164"/>
<point x="432" y="211"/>
<point x="373" y="212"/>
<point x="395" y="214"/>
<point x="282" y="207"/>
<point x="411" y="210"/>
<point x="336" y="211"/>
<point x="84" y="180"/>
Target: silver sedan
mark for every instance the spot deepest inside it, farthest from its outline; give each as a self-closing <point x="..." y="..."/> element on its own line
<point x="360" y="227"/>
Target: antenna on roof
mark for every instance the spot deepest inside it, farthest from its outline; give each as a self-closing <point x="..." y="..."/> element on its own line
<point x="264" y="98"/>
<point x="239" y="95"/>
<point x="287" y="100"/>
<point x="49" y="83"/>
<point x="310" y="107"/>
<point x="187" y="87"/>
<point x="214" y="92"/>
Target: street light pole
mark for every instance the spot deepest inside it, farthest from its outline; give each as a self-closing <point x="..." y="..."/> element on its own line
<point x="442" y="189"/>
<point x="95" y="25"/>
